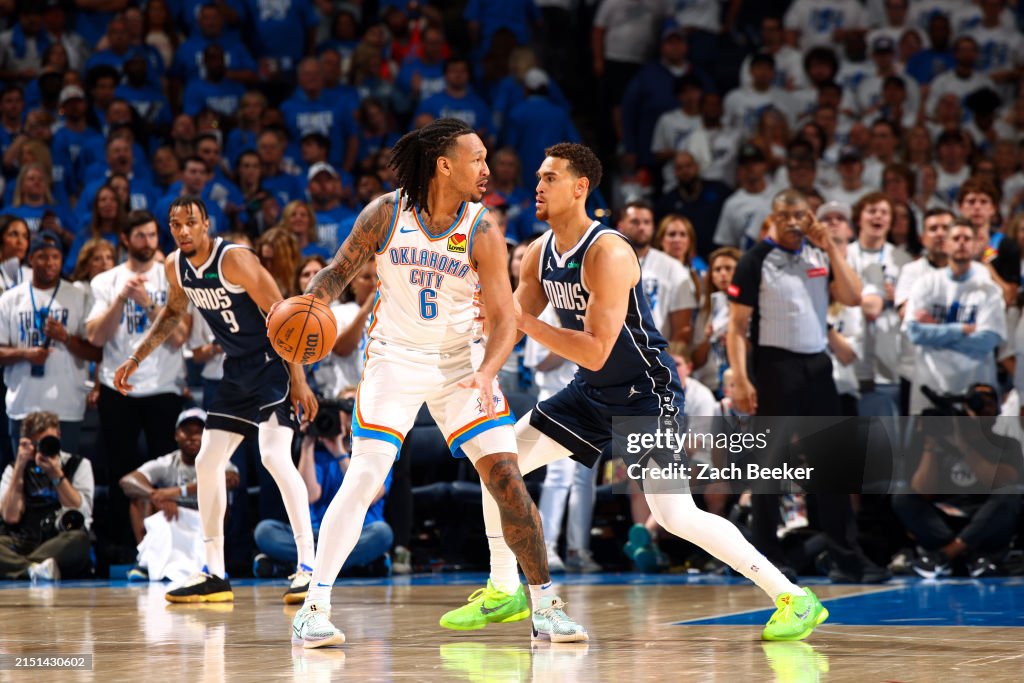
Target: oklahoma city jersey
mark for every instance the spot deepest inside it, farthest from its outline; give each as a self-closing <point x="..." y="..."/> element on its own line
<point x="426" y="285"/>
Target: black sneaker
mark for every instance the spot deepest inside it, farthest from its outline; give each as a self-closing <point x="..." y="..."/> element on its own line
<point x="983" y="566"/>
<point x="202" y="587"/>
<point x="932" y="564"/>
<point x="299" y="586"/>
<point x="861" y="572"/>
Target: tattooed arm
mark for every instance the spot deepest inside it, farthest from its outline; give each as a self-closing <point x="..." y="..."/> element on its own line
<point x="167" y="321"/>
<point x="367" y="236"/>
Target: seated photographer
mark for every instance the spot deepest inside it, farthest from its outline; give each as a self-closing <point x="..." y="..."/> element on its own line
<point x="167" y="485"/>
<point x="963" y="506"/>
<point x="46" y="506"/>
<point x="323" y="461"/>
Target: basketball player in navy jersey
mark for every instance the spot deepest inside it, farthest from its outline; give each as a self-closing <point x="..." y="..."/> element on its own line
<point x="230" y="288"/>
<point x="590" y="275"/>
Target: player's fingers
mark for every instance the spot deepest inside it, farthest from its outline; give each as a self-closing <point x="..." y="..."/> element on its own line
<point x="312" y="407"/>
<point x="466" y="383"/>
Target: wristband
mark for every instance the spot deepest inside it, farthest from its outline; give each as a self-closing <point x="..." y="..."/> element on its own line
<point x="138" y="363"/>
<point x="56" y="482"/>
<point x="184" y="490"/>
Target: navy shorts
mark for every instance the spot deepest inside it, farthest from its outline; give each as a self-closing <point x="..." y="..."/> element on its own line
<point x="254" y="388"/>
<point x="585" y="419"/>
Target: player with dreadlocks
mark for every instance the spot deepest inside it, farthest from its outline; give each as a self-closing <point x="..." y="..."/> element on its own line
<point x="434" y="247"/>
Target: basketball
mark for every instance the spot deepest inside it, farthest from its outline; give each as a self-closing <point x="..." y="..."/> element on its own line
<point x="302" y="329"/>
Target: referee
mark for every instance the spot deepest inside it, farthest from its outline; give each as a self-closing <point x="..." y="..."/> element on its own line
<point x="780" y="294"/>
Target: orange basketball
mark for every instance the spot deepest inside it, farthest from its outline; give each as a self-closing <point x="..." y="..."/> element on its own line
<point x="302" y="329"/>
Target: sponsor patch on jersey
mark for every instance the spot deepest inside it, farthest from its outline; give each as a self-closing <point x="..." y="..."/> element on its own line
<point x="817" y="272"/>
<point x="457" y="244"/>
<point x="733" y="290"/>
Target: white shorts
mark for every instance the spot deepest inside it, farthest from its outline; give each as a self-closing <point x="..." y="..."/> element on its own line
<point x="396" y="382"/>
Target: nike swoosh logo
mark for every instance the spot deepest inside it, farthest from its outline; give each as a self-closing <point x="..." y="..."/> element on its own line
<point x="403" y="230"/>
<point x="296" y="631"/>
<point x="803" y="615"/>
<point x="323" y="585"/>
<point x="492" y="610"/>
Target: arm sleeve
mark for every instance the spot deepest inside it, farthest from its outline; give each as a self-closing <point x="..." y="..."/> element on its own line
<point x="942" y="335"/>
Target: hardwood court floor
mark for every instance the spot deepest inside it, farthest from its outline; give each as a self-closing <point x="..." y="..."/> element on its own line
<point x="661" y="628"/>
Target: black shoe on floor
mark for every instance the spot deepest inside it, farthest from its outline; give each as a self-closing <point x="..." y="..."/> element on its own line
<point x="202" y="587"/>
<point x="982" y="566"/>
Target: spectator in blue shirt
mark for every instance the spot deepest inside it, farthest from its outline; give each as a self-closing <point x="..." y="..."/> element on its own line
<point x="119" y="160"/>
<point x="422" y="75"/>
<point x="535" y="124"/>
<point x="101" y="84"/>
<point x="323" y="462"/>
<point x="32" y="198"/>
<point x="119" y="50"/>
<point x="250" y="121"/>
<point x="458" y="101"/>
<point x="928" y="63"/>
<point x="12" y="115"/>
<point x="34" y="144"/>
<point x="73" y="134"/>
<point x="215" y="91"/>
<point x="486" y="17"/>
<point x="146" y="99"/>
<point x="650" y="94"/>
<point x="335" y="86"/>
<point x="121" y="117"/>
<point x="344" y="34"/>
<point x="375" y="133"/>
<point x="281" y="32"/>
<point x="311" y="109"/>
<point x="188" y="59"/>
<point x="325" y="193"/>
<point x="510" y="91"/>
<point x="270" y="145"/>
<point x="506" y="188"/>
<point x="224" y="191"/>
<point x="188" y="12"/>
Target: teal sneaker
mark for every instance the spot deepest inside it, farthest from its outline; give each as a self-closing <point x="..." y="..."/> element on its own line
<point x="550" y="622"/>
<point x="642" y="552"/>
<point x="795" y="617"/>
<point x="487" y="606"/>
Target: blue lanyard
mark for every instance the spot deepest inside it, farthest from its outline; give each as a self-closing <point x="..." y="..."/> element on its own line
<point x="40" y="315"/>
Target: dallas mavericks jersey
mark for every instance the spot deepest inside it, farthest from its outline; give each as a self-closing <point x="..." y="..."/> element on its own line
<point x="238" y="324"/>
<point x="426" y="284"/>
<point x="640" y="355"/>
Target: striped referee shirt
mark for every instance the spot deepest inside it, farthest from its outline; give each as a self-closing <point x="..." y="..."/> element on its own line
<point x="789" y="292"/>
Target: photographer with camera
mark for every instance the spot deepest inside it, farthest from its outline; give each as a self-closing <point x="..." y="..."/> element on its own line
<point x="323" y="461"/>
<point x="962" y="504"/>
<point x="45" y="506"/>
<point x="955" y="317"/>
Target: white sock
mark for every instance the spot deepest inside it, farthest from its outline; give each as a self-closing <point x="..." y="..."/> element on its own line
<point x="214" y="452"/>
<point x="679" y="515"/>
<point x="538" y="593"/>
<point x="215" y="556"/>
<point x="535" y="451"/>
<point x="343" y="521"/>
<point x="504" y="569"/>
<point x="276" y="454"/>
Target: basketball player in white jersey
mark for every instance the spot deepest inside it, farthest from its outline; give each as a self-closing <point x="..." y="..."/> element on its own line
<point x="625" y="370"/>
<point x="434" y="248"/>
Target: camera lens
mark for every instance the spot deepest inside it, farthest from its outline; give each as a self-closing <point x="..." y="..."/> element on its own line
<point x="49" y="446"/>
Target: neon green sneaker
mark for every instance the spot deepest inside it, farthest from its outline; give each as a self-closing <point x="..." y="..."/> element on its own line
<point x="795" y="617"/>
<point x="488" y="605"/>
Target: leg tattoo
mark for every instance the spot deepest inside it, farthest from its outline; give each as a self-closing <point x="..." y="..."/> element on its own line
<point x="520" y="521"/>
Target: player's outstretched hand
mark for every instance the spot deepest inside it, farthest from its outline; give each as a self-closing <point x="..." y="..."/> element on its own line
<point x="121" y="375"/>
<point x="304" y="399"/>
<point x="485" y="385"/>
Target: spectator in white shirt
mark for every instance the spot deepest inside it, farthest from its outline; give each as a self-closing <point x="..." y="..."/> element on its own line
<point x="789" y="66"/>
<point x="822" y="22"/>
<point x="743" y="106"/>
<point x="953" y="171"/>
<point x="743" y="213"/>
<point x="851" y="186"/>
<point x="963" y="78"/>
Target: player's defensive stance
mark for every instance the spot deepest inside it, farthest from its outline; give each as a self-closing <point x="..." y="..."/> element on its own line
<point x="590" y="275"/>
<point x="230" y="289"/>
<point x="434" y="247"/>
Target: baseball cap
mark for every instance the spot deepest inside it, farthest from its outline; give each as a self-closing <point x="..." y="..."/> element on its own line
<point x="45" y="239"/>
<point x="192" y="414"/>
<point x="850" y="153"/>
<point x="535" y="78"/>
<point x="320" y="167"/>
<point x="883" y="44"/>
<point x="673" y="30"/>
<point x="750" y="153"/>
<point x="70" y="92"/>
<point x="834" y="207"/>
